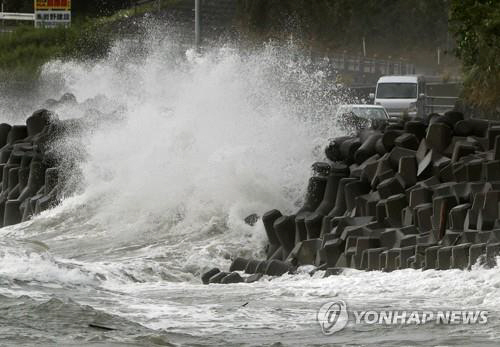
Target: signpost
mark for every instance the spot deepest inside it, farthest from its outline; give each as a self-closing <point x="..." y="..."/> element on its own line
<point x="52" y="13"/>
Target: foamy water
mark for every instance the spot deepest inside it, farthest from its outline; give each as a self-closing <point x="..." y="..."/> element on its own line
<point x="201" y="141"/>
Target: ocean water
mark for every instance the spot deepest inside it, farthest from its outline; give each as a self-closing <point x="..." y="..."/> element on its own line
<point x="199" y="141"/>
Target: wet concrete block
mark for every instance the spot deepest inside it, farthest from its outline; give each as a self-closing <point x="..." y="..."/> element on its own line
<point x="353" y="190"/>
<point x="393" y="207"/>
<point x="390" y="238"/>
<point x="408" y="240"/>
<point x="459" y="172"/>
<point x="366" y="242"/>
<point x="333" y="180"/>
<point x="416" y="127"/>
<point x="391" y="259"/>
<point x="404" y="254"/>
<point x="348" y="149"/>
<point x="36" y="180"/>
<point x="438" y="136"/>
<point x="446" y="173"/>
<point x="389" y="137"/>
<point x="368" y="171"/>
<point x="4" y="133"/>
<point x="493" y="132"/>
<point x="37" y="122"/>
<point x="268" y="220"/>
<point x="205" y="278"/>
<point x="308" y="251"/>
<point x="397" y="153"/>
<point x="367" y="149"/>
<point x="492" y="170"/>
<point x="261" y="268"/>
<point x="420" y="196"/>
<point x="471" y="126"/>
<point x="300" y="227"/>
<point x="284" y="227"/>
<point x="12" y="213"/>
<point x="233" y="277"/>
<point x="17" y="133"/>
<point x="251" y="267"/>
<point x="460" y="256"/>
<point x="458" y="215"/>
<point x="444" y="258"/>
<point x="389" y="187"/>
<point x="313" y="224"/>
<point x="441" y="207"/>
<point x="332" y="250"/>
<point x="451" y="238"/>
<point x="496" y="150"/>
<point x="373" y="258"/>
<point x="251" y="219"/>
<point x="425" y="166"/>
<point x="315" y="193"/>
<point x="461" y="150"/>
<point x="431" y="254"/>
<point x="381" y="214"/>
<point x="492" y="236"/>
<point x="278" y="268"/>
<point x="340" y="203"/>
<point x="384" y="170"/>
<point x="239" y="264"/>
<point x="407" y="216"/>
<point x="492" y="251"/>
<point x="407" y="168"/>
<point x="477" y="254"/>
<point x="217" y="278"/>
<point x="366" y="205"/>
<point x="321" y="168"/>
<point x="410" y="262"/>
<point x="469" y="236"/>
<point x="332" y="150"/>
<point x="333" y="271"/>
<point x="253" y="278"/>
<point x="474" y="170"/>
<point x="407" y="140"/>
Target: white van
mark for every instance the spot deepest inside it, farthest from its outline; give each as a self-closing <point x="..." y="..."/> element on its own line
<point x="401" y="95"/>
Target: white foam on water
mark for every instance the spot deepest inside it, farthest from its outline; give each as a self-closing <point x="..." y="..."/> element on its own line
<point x="206" y="140"/>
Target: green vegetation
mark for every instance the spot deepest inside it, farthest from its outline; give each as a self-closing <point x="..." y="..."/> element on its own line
<point x="476" y="24"/>
<point x="397" y="28"/>
<point x="26" y="49"/>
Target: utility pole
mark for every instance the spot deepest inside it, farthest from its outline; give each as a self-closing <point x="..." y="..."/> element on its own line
<point x="197" y="24"/>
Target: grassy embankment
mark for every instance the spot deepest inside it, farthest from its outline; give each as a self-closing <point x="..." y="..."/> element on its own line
<point x="26" y="49"/>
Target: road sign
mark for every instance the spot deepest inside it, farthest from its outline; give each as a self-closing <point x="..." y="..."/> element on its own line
<point x="64" y="5"/>
<point x="52" y="13"/>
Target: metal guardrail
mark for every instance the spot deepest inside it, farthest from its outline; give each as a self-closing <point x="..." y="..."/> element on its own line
<point x="446" y="103"/>
<point x="371" y="65"/>
<point x="17" y="16"/>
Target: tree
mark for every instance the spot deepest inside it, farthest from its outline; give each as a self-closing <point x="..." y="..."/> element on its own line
<point x="476" y="24"/>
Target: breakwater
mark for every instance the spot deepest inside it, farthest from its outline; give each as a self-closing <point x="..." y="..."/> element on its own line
<point x="28" y="169"/>
<point x="419" y="194"/>
<point x="33" y="173"/>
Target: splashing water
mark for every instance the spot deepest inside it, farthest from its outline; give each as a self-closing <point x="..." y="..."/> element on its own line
<point x="199" y="142"/>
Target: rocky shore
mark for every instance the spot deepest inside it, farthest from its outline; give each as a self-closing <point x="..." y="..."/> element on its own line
<point x="420" y="194"/>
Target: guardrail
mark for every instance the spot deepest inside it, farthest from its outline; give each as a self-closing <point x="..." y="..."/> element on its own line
<point x="17" y="16"/>
<point x="372" y="65"/>
<point x="439" y="104"/>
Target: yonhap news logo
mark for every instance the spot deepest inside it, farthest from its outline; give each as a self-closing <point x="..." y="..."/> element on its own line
<point x="333" y="316"/>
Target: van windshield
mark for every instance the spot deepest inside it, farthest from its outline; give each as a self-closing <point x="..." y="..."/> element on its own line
<point x="397" y="91"/>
